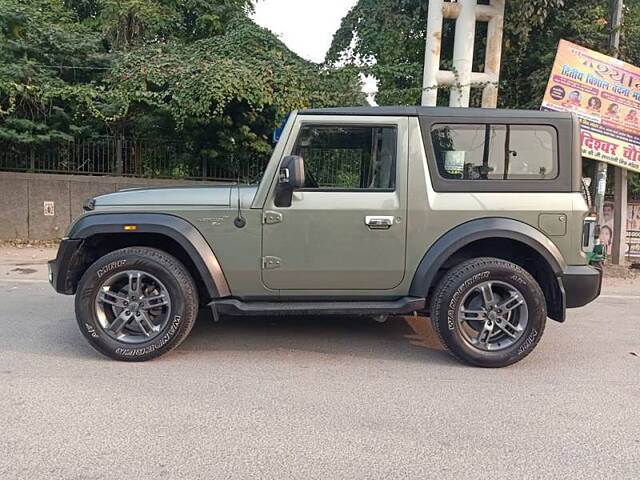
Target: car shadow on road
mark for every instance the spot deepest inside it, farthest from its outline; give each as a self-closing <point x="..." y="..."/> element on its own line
<point x="401" y="337"/>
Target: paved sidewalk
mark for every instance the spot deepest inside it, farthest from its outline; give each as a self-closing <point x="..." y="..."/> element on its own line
<point x="25" y="263"/>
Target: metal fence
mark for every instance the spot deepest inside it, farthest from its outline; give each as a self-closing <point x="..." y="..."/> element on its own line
<point x="334" y="168"/>
<point x="132" y="157"/>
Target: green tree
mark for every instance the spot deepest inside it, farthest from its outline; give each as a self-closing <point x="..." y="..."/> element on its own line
<point x="233" y="86"/>
<point x="46" y="61"/>
<point x="189" y="70"/>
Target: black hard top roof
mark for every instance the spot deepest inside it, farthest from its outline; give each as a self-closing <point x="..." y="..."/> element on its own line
<point x="433" y="112"/>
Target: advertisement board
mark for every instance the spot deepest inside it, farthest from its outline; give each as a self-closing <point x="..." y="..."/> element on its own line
<point x="605" y="94"/>
<point x="632" y="248"/>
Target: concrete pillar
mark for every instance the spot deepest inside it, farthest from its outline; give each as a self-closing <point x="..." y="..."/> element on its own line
<point x="465" y="13"/>
<point x="432" y="53"/>
<point x="493" y="54"/>
<point x="619" y="217"/>
<point x="463" y="53"/>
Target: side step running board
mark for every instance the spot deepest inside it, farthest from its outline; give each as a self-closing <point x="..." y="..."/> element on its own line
<point x="232" y="306"/>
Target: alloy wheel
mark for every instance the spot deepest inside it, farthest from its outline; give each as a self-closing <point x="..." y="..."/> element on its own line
<point x="492" y="316"/>
<point x="133" y="306"/>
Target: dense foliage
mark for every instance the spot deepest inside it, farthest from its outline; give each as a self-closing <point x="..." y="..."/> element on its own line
<point x="194" y="70"/>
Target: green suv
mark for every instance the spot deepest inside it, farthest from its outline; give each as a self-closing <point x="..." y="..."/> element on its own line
<point x="473" y="217"/>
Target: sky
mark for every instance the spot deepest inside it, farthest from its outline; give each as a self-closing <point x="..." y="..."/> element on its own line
<point x="305" y="26"/>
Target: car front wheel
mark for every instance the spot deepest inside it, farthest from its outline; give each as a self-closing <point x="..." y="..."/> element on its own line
<point x="136" y="303"/>
<point x="488" y="312"/>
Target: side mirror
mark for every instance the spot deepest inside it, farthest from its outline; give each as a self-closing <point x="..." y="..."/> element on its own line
<point x="291" y="177"/>
<point x="292" y="172"/>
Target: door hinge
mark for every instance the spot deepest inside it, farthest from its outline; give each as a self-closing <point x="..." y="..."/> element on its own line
<point x="269" y="217"/>
<point x="269" y="263"/>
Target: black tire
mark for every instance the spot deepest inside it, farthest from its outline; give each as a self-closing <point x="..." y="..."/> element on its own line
<point x="469" y="278"/>
<point x="180" y="315"/>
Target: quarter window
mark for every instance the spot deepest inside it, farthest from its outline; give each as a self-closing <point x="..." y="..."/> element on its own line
<point x="495" y="152"/>
<point x="348" y="157"/>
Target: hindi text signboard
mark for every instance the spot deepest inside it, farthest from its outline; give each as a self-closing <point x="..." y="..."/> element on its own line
<point x="605" y="94"/>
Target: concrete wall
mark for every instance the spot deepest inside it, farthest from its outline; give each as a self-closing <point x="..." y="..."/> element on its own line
<point x="22" y="198"/>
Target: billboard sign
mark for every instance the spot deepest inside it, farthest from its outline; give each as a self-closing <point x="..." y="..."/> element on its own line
<point x="605" y="94"/>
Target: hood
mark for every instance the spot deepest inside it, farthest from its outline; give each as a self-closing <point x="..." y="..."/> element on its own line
<point x="215" y="195"/>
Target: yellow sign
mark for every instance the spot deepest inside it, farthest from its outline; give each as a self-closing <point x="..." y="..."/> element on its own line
<point x="605" y="94"/>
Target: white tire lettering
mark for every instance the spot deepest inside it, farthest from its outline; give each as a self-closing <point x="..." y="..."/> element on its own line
<point x="113" y="265"/>
<point x="136" y="352"/>
<point x="91" y="330"/>
<point x="451" y="311"/>
<point x="528" y="342"/>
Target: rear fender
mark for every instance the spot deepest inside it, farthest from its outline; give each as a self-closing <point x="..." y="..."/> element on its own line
<point x="489" y="228"/>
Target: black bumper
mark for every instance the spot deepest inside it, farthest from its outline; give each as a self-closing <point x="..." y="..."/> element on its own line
<point x="62" y="268"/>
<point x="581" y="284"/>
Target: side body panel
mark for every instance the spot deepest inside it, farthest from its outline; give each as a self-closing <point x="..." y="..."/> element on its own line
<point x="238" y="249"/>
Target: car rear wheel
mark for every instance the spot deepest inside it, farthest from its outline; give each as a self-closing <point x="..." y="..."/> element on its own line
<point x="136" y="303"/>
<point x="489" y="312"/>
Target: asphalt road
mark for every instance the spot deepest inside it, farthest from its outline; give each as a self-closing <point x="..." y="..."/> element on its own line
<point x="315" y="398"/>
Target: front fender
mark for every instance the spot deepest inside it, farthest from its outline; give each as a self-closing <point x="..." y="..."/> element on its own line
<point x="176" y="228"/>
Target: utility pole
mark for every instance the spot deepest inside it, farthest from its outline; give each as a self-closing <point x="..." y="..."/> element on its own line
<point x="620" y="179"/>
<point x="614" y="45"/>
<point x="601" y="173"/>
<point x="616" y="21"/>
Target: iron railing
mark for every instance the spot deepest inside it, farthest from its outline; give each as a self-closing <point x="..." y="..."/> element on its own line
<point x="132" y="157"/>
<point x="339" y="168"/>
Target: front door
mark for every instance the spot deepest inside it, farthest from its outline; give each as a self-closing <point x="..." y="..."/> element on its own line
<point x="346" y="230"/>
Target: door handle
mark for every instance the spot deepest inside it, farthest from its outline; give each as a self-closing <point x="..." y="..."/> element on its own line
<point x="375" y="222"/>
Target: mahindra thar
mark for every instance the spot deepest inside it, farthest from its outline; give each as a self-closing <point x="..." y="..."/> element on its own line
<point x="472" y="217"/>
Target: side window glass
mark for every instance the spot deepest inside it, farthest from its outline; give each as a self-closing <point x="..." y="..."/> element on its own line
<point x="348" y="157"/>
<point x="495" y="152"/>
